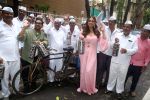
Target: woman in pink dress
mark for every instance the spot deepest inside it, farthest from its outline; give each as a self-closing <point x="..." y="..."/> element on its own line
<point x="88" y="60"/>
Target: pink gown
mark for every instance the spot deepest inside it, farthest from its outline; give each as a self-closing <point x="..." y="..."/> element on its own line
<point x="88" y="62"/>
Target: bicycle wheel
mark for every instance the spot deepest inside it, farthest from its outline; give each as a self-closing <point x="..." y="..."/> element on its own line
<point x="30" y="84"/>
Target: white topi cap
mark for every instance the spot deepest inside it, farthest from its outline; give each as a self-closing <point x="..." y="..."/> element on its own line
<point x="8" y="9"/>
<point x="72" y="20"/>
<point x="31" y="15"/>
<point x="71" y="17"/>
<point x="129" y="22"/>
<point x="83" y="22"/>
<point x="147" y="26"/>
<point x="62" y="20"/>
<point x="57" y="20"/>
<point x="105" y="21"/>
<point x="112" y="18"/>
<point x="39" y="16"/>
<point x="22" y="8"/>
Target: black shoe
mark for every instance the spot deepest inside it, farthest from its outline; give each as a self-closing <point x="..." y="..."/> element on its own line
<point x="108" y="92"/>
<point x="104" y="85"/>
<point x="119" y="96"/>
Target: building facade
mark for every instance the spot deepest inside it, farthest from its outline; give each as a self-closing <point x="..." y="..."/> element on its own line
<point x="60" y="7"/>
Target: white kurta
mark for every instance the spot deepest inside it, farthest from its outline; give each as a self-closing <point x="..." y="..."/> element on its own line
<point x="18" y="27"/>
<point x="8" y="42"/>
<point x="56" y="39"/>
<point x="119" y="64"/>
<point x="10" y="53"/>
<point x="47" y="27"/>
<point x="74" y="38"/>
<point x="110" y="37"/>
<point x="67" y="27"/>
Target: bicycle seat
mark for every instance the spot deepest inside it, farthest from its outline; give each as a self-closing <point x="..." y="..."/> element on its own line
<point x="68" y="49"/>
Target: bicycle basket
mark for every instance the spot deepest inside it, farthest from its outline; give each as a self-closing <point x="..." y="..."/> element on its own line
<point x="42" y="50"/>
<point x="32" y="51"/>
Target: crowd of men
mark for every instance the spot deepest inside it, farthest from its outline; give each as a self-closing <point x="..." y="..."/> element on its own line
<point x="18" y="34"/>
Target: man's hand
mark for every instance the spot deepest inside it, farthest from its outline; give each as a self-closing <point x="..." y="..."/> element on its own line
<point x="123" y="50"/>
<point x="102" y="29"/>
<point x="26" y="24"/>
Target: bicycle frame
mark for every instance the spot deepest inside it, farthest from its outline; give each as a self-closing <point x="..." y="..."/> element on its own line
<point x="37" y="73"/>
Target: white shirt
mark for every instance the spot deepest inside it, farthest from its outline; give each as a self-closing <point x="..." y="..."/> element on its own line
<point x="18" y="24"/>
<point x="110" y="37"/>
<point x="8" y="42"/>
<point x="74" y="38"/>
<point x="56" y="39"/>
<point x="67" y="27"/>
<point x="47" y="27"/>
<point x="127" y="42"/>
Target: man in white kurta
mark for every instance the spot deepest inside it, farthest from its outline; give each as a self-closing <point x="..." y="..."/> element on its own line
<point x="9" y="49"/>
<point x="56" y="39"/>
<point x="119" y="64"/>
<point x="72" y="35"/>
<point x="18" y="21"/>
<point x="47" y="24"/>
<point x="104" y="57"/>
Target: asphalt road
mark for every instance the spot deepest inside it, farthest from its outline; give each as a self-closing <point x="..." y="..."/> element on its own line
<point x="68" y="92"/>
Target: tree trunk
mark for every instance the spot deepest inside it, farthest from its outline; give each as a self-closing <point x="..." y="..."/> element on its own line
<point x="120" y="7"/>
<point x="127" y="10"/>
<point x="15" y="7"/>
<point x="112" y="7"/>
<point x="87" y="8"/>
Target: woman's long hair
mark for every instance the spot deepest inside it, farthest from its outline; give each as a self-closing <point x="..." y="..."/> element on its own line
<point x="86" y="31"/>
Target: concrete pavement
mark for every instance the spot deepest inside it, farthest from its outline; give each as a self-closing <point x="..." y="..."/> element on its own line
<point x="68" y="92"/>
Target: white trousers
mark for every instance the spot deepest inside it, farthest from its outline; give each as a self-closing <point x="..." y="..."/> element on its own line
<point x="117" y="75"/>
<point x="52" y="64"/>
<point x="11" y="67"/>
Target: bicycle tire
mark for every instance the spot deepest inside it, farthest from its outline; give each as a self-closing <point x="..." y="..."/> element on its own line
<point x="39" y="82"/>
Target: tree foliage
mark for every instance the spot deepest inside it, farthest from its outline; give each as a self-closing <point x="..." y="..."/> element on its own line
<point x="120" y="7"/>
<point x="146" y="18"/>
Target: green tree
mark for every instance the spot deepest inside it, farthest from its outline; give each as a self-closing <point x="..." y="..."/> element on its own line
<point x="141" y="13"/>
<point x="87" y="8"/>
<point x="112" y="7"/>
<point x="146" y="18"/>
<point x="127" y="10"/>
<point x="120" y="7"/>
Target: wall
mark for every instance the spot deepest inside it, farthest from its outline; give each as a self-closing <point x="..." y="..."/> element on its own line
<point x="72" y="7"/>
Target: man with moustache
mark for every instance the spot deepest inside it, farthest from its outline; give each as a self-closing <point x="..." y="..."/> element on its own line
<point x="140" y="60"/>
<point x="120" y="63"/>
<point x="9" y="49"/>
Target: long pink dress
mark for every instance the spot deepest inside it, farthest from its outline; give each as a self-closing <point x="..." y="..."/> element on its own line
<point x="88" y="62"/>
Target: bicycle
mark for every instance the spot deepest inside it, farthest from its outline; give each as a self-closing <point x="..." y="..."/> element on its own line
<point x="37" y="72"/>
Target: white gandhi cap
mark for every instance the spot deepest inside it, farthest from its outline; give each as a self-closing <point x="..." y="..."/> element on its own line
<point x="22" y="8"/>
<point x="72" y="20"/>
<point x="147" y="26"/>
<point x="8" y="9"/>
<point x="112" y="18"/>
<point x="128" y="22"/>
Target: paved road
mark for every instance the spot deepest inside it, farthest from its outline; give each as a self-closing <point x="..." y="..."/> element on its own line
<point x="68" y="92"/>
